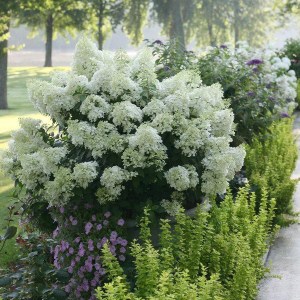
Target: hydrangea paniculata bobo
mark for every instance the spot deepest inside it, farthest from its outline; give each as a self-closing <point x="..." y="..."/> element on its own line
<point x="118" y="125"/>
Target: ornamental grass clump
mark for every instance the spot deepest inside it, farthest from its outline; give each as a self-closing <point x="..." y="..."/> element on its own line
<point x="215" y="255"/>
<point x="119" y="134"/>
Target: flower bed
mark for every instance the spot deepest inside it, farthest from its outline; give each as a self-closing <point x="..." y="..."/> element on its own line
<point x="134" y="133"/>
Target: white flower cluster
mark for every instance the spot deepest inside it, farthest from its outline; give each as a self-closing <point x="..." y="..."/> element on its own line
<point x="182" y="178"/>
<point x="274" y="71"/>
<point x="85" y="173"/>
<point x="112" y="179"/>
<point x="116" y="119"/>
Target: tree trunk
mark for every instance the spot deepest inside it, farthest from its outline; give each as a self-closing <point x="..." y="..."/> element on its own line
<point x="3" y="71"/>
<point x="236" y="22"/>
<point x="49" y="39"/>
<point x="100" y="25"/>
<point x="176" y="29"/>
<point x="210" y="32"/>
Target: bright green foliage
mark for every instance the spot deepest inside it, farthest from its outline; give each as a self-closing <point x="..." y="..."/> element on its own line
<point x="215" y="255"/>
<point x="270" y="162"/>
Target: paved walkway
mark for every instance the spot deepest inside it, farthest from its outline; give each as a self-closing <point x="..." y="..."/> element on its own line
<point x="284" y="256"/>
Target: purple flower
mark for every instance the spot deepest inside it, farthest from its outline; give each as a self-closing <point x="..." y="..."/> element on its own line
<point x="99" y="227"/>
<point x="55" y="232"/>
<point x="77" y="240"/>
<point x="122" y="249"/>
<point x="158" y="42"/>
<point x="88" y="227"/>
<point x="73" y="263"/>
<point x="104" y="240"/>
<point x="90" y="245"/>
<point x="121" y="222"/>
<point x="254" y="62"/>
<point x="99" y="245"/>
<point x="71" y="250"/>
<point x="284" y="115"/>
<point x="251" y="94"/>
<point x="67" y="289"/>
<point x="105" y="222"/>
<point x="223" y="47"/>
<point x="74" y="222"/>
<point x="88" y="266"/>
<point x="114" y="235"/>
<point x="85" y="285"/>
<point x="64" y="246"/>
<point x="70" y="269"/>
<point x="102" y="272"/>
<point x="107" y="214"/>
<point x="77" y="258"/>
<point x="77" y="293"/>
<point x="81" y="251"/>
<point x="61" y="210"/>
<point x="124" y="243"/>
<point x="93" y="282"/>
<point x="112" y="249"/>
<point x="113" y="242"/>
<point x="97" y="266"/>
<point x="122" y="258"/>
<point x="56" y="264"/>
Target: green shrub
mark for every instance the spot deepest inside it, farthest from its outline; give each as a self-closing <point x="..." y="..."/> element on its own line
<point x="33" y="276"/>
<point x="270" y="162"/>
<point x="215" y="255"/>
<point x="292" y="51"/>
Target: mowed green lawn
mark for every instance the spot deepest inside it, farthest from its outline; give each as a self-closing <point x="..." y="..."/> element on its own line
<point x="19" y="106"/>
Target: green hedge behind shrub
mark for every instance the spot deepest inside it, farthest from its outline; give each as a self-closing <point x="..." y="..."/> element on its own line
<point x="270" y="161"/>
<point x="216" y="255"/>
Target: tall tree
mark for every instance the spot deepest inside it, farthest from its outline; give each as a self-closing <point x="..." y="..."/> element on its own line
<point x="250" y="20"/>
<point x="104" y="16"/>
<point x="175" y="16"/>
<point x="56" y="16"/>
<point x="209" y="25"/>
<point x="4" y="35"/>
<point x="8" y="9"/>
<point x="135" y="19"/>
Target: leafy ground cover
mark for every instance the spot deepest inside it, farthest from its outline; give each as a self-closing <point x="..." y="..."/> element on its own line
<point x="19" y="106"/>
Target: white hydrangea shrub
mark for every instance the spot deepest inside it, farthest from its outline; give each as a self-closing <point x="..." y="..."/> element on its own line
<point x="123" y="134"/>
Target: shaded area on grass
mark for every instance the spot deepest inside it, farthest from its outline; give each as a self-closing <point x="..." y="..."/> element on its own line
<point x="19" y="106"/>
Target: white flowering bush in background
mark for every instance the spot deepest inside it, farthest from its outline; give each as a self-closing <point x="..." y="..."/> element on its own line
<point x="120" y="134"/>
<point x="258" y="82"/>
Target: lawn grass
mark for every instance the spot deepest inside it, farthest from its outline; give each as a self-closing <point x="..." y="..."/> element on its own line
<point x="19" y="106"/>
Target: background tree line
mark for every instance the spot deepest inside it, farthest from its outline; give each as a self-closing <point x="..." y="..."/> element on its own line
<point x="207" y="22"/>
